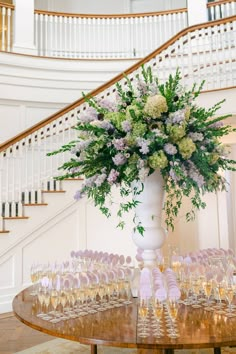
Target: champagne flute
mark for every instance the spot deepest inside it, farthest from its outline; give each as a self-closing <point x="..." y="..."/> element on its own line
<point x="143" y="309"/>
<point x="54" y="298"/>
<point x="173" y="307"/>
<point x="157" y="312"/>
<point x="207" y="287"/>
<point x="229" y="294"/>
<point x="40" y="296"/>
<point x="222" y="293"/>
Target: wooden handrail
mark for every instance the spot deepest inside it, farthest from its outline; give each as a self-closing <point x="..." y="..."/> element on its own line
<point x="219" y="2"/>
<point x="131" y="15"/>
<point x="111" y="82"/>
<point x="9" y="6"/>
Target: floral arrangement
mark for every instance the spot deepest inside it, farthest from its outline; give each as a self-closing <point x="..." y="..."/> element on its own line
<point x="149" y="126"/>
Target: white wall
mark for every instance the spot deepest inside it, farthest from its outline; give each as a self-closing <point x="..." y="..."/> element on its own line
<point x="108" y="6"/>
<point x="84" y="6"/>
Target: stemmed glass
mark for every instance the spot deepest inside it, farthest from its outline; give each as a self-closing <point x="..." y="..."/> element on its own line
<point x="229" y="294"/>
<point x="222" y="293"/>
<point x="173" y="307"/>
<point x="34" y="275"/>
<point x="143" y="309"/>
<point x="40" y="295"/>
<point x="207" y="287"/>
<point x="157" y="307"/>
<point x="54" y="298"/>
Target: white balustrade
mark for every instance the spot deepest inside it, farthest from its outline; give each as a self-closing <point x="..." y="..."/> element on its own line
<point x="105" y="37"/>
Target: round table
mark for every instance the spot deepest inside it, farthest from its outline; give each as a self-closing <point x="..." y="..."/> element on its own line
<point x="117" y="327"/>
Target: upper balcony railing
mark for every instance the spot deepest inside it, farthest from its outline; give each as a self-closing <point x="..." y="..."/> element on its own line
<point x="105" y="36"/>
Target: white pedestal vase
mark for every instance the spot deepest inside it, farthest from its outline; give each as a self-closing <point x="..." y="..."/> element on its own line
<point x="148" y="213"/>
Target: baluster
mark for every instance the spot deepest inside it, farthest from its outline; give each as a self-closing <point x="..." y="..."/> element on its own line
<point x="231" y="55"/>
<point x="36" y="34"/>
<point x="46" y="34"/>
<point x="7" y="179"/>
<point x="75" y="37"/>
<point x="141" y="34"/>
<point x="127" y="38"/>
<point x="12" y="181"/>
<point x="89" y="39"/>
<point x="41" y="47"/>
<point x="70" y="39"/>
<point x="51" y="34"/>
<point x="184" y="20"/>
<point x="60" y="39"/>
<point x="218" y="12"/>
<point x="83" y="38"/>
<point x="112" y="38"/>
<point x="103" y="47"/>
<point x="8" y="29"/>
<point x="65" y="40"/>
<point x="55" y="36"/>
<point x="3" y="27"/>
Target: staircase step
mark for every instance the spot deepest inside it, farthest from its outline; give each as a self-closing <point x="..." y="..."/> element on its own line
<point x="15" y="217"/>
<point x="36" y="204"/>
<point x="45" y="191"/>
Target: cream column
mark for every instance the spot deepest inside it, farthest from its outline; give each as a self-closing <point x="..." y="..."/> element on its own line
<point x="24" y="27"/>
<point x="197" y="11"/>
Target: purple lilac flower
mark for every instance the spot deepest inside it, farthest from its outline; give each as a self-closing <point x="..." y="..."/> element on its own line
<point x="88" y="115"/>
<point x="178" y="116"/>
<point x="82" y="145"/>
<point x="196" y="136"/>
<point x="100" y="179"/>
<point x="119" y="159"/>
<point x="112" y="176"/>
<point x="106" y="125"/>
<point x="107" y="104"/>
<point x="170" y="149"/>
<point x="173" y="175"/>
<point x="143" y="143"/>
<point x="216" y="125"/>
<point x="195" y="174"/>
<point x="119" y="144"/>
<point x="89" y="182"/>
<point x="197" y="177"/>
<point x="78" y="195"/>
<point x="126" y="126"/>
<point x="142" y="88"/>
